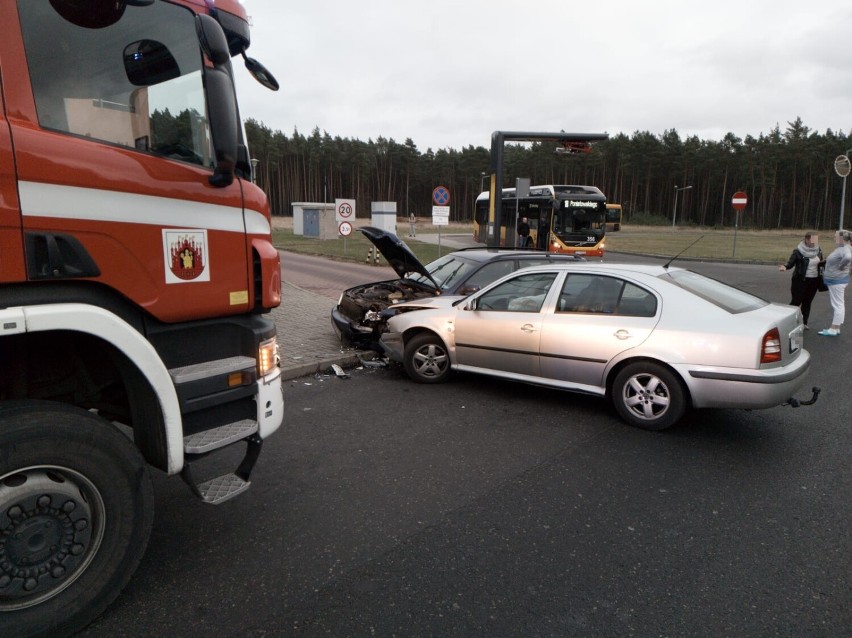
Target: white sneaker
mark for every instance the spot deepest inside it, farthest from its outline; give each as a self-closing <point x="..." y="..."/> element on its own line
<point x="828" y="332"/>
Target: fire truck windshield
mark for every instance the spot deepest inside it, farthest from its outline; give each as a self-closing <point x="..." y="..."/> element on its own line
<point x="137" y="86"/>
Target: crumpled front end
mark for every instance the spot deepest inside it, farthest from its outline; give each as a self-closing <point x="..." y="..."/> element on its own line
<point x="360" y="316"/>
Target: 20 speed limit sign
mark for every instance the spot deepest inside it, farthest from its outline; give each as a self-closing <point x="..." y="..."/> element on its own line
<point x="344" y="210"/>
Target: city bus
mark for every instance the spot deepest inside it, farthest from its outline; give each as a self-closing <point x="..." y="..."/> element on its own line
<point x="561" y="219"/>
<point x="613" y="216"/>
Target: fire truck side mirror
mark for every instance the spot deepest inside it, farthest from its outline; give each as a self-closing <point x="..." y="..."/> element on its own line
<point x="260" y="73"/>
<point x="221" y="99"/>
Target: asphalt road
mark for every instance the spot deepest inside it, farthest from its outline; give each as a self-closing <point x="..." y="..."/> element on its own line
<point x="485" y="508"/>
<point x="327" y="277"/>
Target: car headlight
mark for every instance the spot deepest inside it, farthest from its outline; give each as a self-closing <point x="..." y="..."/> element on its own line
<point x="267" y="357"/>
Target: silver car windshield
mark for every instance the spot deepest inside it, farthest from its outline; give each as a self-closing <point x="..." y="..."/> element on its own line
<point x="447" y="271"/>
<point x="726" y="297"/>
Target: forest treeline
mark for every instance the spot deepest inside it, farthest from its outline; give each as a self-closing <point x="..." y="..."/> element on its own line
<point x="788" y="175"/>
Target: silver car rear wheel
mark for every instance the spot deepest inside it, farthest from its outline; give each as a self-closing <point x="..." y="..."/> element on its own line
<point x="426" y="359"/>
<point x="648" y="396"/>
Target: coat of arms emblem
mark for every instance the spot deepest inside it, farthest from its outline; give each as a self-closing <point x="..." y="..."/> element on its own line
<point x="186" y="255"/>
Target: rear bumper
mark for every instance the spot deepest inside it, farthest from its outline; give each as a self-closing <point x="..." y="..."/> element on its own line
<point x="715" y="387"/>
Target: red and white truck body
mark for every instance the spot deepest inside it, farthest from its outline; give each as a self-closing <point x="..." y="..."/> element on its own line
<point x="136" y="276"/>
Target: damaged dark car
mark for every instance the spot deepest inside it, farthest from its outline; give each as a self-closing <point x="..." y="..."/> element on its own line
<point x="361" y="314"/>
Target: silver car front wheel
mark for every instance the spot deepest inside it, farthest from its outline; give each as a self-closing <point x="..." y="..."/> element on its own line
<point x="648" y="396"/>
<point x="426" y="359"/>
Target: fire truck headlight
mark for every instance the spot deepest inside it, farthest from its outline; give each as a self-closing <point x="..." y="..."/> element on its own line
<point x="267" y="357"/>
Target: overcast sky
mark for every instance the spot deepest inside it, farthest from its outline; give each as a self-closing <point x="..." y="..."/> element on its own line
<point x="449" y="73"/>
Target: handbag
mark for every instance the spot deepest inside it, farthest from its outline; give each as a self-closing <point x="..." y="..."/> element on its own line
<point x="820" y="283"/>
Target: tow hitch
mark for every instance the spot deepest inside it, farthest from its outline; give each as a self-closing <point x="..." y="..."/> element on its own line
<point x="795" y="403"/>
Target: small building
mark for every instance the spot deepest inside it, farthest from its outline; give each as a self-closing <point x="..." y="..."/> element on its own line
<point x="314" y="219"/>
<point x="384" y="216"/>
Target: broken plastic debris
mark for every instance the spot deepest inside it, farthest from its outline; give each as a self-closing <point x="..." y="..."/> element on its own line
<point x="339" y="371"/>
<point x="374" y="363"/>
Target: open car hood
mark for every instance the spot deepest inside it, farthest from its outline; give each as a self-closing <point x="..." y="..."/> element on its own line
<point x="398" y="255"/>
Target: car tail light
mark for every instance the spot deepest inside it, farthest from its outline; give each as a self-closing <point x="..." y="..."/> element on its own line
<point x="770" y="352"/>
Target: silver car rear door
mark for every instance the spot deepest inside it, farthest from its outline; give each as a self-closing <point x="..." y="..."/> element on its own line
<point x="596" y="318"/>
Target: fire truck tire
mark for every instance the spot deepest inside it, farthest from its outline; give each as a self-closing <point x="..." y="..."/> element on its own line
<point x="76" y="509"/>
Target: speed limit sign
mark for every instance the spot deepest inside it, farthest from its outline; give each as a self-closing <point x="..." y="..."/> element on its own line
<point x="344" y="210"/>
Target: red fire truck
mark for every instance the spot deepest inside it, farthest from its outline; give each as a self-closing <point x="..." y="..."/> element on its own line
<point x="136" y="276"/>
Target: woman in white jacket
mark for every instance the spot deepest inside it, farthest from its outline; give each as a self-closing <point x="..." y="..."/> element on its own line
<point x="836" y="277"/>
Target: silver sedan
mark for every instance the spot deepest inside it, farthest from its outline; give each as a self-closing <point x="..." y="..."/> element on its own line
<point x="654" y="340"/>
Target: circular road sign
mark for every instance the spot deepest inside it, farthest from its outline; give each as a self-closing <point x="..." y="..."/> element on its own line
<point x="441" y="196"/>
<point x="345" y="210"/>
<point x="739" y="200"/>
<point x="345" y="229"/>
<point x="842" y="165"/>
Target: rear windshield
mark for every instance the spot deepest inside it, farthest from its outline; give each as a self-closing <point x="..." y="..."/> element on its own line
<point x="726" y="297"/>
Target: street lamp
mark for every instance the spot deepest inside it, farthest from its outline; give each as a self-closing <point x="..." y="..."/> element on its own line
<point x="674" y="212"/>
<point x="254" y="163"/>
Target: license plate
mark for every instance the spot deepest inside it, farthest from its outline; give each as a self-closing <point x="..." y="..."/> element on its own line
<point x="796" y="339"/>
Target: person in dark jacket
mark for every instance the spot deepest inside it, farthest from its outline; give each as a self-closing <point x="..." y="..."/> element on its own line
<point x="523" y="232"/>
<point x="804" y="260"/>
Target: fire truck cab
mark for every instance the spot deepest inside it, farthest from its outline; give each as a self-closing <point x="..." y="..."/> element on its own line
<point x="136" y="276"/>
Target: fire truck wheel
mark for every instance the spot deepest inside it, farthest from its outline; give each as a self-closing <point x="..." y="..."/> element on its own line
<point x="76" y="508"/>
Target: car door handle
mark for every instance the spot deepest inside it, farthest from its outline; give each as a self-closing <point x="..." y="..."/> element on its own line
<point x="529" y="328"/>
<point x="622" y="334"/>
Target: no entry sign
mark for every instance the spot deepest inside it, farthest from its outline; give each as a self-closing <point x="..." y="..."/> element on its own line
<point x="739" y="200"/>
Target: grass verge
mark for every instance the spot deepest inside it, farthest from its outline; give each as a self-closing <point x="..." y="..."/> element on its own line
<point x="716" y="245"/>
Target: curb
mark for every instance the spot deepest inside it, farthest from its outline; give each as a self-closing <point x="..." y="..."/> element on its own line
<point x="320" y="366"/>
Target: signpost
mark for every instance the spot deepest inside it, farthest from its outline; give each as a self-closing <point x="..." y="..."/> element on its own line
<point x="674" y="210"/>
<point x="842" y="166"/>
<point x="440" y="210"/>
<point x="344" y="214"/>
<point x="522" y="189"/>
<point x="739" y="201"/>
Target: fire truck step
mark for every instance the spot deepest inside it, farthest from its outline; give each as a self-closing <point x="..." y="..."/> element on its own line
<point x="224" y="435"/>
<point x="222" y="488"/>
<point x="208" y="369"/>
